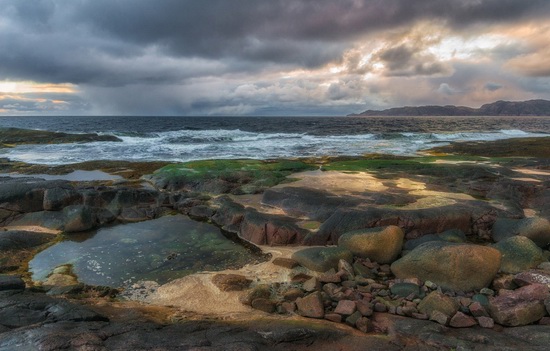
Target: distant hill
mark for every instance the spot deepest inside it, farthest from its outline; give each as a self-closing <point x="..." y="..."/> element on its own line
<point x="499" y="108"/>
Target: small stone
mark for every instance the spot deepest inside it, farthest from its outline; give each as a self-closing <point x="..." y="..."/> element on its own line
<point x="345" y="307"/>
<point x="437" y="301"/>
<point x="487" y="292"/>
<point x="300" y="278"/>
<point x="439" y="317"/>
<point x="311" y="305"/>
<point x="545" y="266"/>
<point x="363" y="324"/>
<point x="431" y="285"/>
<point x="352" y="320"/>
<point x="420" y="316"/>
<point x="461" y="320"/>
<point x="334" y="317"/>
<point x="544" y="321"/>
<point x="259" y="291"/>
<point x="364" y="308"/>
<point x="477" y="310"/>
<point x="288" y="307"/>
<point x="292" y="294"/>
<point x="504" y="282"/>
<point x="409" y="310"/>
<point x="311" y="285"/>
<point x="285" y="262"/>
<point x="330" y="278"/>
<point x="346" y="268"/>
<point x="380" y="307"/>
<point x="349" y="284"/>
<point x="482" y="299"/>
<point x="262" y="304"/>
<point x="392" y="309"/>
<point x="405" y="289"/>
<point x="486" y="322"/>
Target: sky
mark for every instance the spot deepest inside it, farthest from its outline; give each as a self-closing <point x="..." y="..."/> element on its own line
<point x="272" y="57"/>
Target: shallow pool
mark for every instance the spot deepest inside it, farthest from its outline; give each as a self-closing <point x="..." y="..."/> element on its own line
<point x="161" y="250"/>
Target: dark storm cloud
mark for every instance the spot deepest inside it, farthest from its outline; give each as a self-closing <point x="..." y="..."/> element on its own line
<point x="79" y="41"/>
<point x="145" y="56"/>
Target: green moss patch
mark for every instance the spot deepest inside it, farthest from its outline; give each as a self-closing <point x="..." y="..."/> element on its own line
<point x="237" y="176"/>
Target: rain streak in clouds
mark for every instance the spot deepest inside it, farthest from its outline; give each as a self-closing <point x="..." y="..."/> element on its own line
<point x="245" y="57"/>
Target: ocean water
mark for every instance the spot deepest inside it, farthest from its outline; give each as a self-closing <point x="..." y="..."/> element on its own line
<point x="195" y="138"/>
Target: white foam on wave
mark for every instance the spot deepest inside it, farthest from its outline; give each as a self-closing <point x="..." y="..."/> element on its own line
<point x="186" y="145"/>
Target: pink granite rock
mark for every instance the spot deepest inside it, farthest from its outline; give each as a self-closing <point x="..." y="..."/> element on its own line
<point x="345" y="307"/>
<point x="460" y="320"/>
<point x="519" y="307"/>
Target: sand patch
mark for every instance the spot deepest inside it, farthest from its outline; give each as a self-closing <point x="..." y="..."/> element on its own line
<point x="338" y="183"/>
<point x="196" y="293"/>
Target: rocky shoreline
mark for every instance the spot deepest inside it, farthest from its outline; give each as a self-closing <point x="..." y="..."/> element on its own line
<point x="441" y="251"/>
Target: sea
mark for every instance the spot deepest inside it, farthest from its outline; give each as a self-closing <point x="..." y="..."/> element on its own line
<point x="180" y="139"/>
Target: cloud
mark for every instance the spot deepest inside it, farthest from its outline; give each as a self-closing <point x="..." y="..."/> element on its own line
<point x="493" y="86"/>
<point x="247" y="57"/>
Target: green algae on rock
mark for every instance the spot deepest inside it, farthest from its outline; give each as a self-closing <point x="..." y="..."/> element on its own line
<point x="226" y="176"/>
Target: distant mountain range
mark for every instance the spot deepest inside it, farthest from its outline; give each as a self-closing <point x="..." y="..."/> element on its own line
<point x="499" y="108"/>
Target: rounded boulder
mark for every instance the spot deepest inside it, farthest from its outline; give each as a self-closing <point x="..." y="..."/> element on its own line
<point x="382" y="244"/>
<point x="519" y="253"/>
<point x="459" y="267"/>
<point x="322" y="259"/>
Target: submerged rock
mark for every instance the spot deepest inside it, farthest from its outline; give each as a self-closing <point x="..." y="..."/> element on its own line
<point x="459" y="267"/>
<point x="382" y="245"/>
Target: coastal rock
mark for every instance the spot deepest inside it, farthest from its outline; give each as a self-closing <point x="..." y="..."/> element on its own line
<point x="26" y="196"/>
<point x="519" y="253"/>
<point x="535" y="228"/>
<point x="311" y="305"/>
<point x="322" y="259"/>
<point x="460" y="320"/>
<point x="266" y="229"/>
<point x="57" y="198"/>
<point x="415" y="223"/>
<point x="532" y="277"/>
<point x="519" y="307"/>
<point x="439" y="302"/>
<point x="313" y="203"/>
<point x="229" y="213"/>
<point x="414" y="243"/>
<point x="382" y="245"/>
<point x="78" y="218"/>
<point x="11" y="282"/>
<point x="459" y="267"/>
<point x="405" y="289"/>
<point x="21" y="239"/>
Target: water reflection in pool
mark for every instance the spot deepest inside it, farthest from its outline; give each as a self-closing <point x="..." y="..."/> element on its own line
<point x="161" y="250"/>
